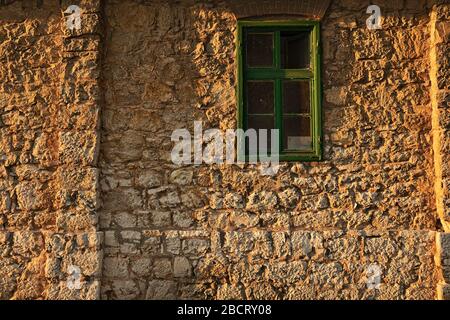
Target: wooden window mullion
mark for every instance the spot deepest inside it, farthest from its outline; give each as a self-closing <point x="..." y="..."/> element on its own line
<point x="279" y="112"/>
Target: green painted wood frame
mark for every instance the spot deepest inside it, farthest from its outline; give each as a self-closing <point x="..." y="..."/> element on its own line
<point x="277" y="74"/>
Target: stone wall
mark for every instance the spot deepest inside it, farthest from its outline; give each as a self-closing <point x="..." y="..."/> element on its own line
<point x="228" y="232"/>
<point x="49" y="115"/>
<point x="218" y="231"/>
<point x="439" y="73"/>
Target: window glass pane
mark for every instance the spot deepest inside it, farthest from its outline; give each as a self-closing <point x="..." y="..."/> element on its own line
<point x="260" y="97"/>
<point x="296" y="97"/>
<point x="297" y="133"/>
<point x="261" y="122"/>
<point x="260" y="50"/>
<point x="295" y="52"/>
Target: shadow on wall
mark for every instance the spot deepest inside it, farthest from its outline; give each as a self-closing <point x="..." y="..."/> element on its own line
<point x="226" y="232"/>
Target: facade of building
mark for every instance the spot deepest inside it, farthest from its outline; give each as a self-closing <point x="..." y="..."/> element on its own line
<point x="93" y="207"/>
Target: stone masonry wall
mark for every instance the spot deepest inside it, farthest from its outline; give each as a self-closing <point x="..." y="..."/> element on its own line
<point x="49" y="111"/>
<point x="439" y="73"/>
<point x="98" y="191"/>
<point x="228" y="232"/>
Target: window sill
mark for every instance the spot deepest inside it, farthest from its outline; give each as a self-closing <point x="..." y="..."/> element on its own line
<point x="294" y="157"/>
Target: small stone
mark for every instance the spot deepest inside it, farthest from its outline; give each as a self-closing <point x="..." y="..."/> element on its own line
<point x="181" y="267"/>
<point x="111" y="239"/>
<point x="115" y="267"/>
<point x="161" y="290"/>
<point x="125" y="289"/>
<point x="27" y="243"/>
<point x="152" y="246"/>
<point x="182" y="219"/>
<point x="173" y="245"/>
<point x="53" y="268"/>
<point x="142" y="267"/>
<point x="170" y="200"/>
<point x="244" y="219"/>
<point x="323" y="202"/>
<point x="149" y="179"/>
<point x="125" y="220"/>
<point x="161" y="219"/>
<point x="289" y="198"/>
<point x="195" y="247"/>
<point x="133" y="236"/>
<point x="29" y="196"/>
<point x="216" y="201"/>
<point x="162" y="268"/>
<point x="181" y="177"/>
<point x="233" y="201"/>
<point x="262" y="201"/>
<point x="301" y="243"/>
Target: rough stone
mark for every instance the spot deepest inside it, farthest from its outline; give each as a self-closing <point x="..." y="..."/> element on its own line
<point x="86" y="119"/>
<point x="181" y="267"/>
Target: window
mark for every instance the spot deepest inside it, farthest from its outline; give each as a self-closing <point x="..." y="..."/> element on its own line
<point x="279" y="84"/>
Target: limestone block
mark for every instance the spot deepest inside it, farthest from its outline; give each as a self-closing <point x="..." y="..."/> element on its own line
<point x="181" y="177"/>
<point x="181" y="267"/>
<point x="161" y="290"/>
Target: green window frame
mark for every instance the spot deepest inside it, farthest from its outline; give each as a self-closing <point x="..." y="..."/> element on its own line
<point x="278" y="75"/>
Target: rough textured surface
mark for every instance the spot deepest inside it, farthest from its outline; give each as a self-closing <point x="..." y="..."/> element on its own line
<point x="439" y="73"/>
<point x="225" y="231"/>
<point x="309" y="8"/>
<point x="49" y="96"/>
<point x="443" y="263"/>
<point x="149" y="229"/>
